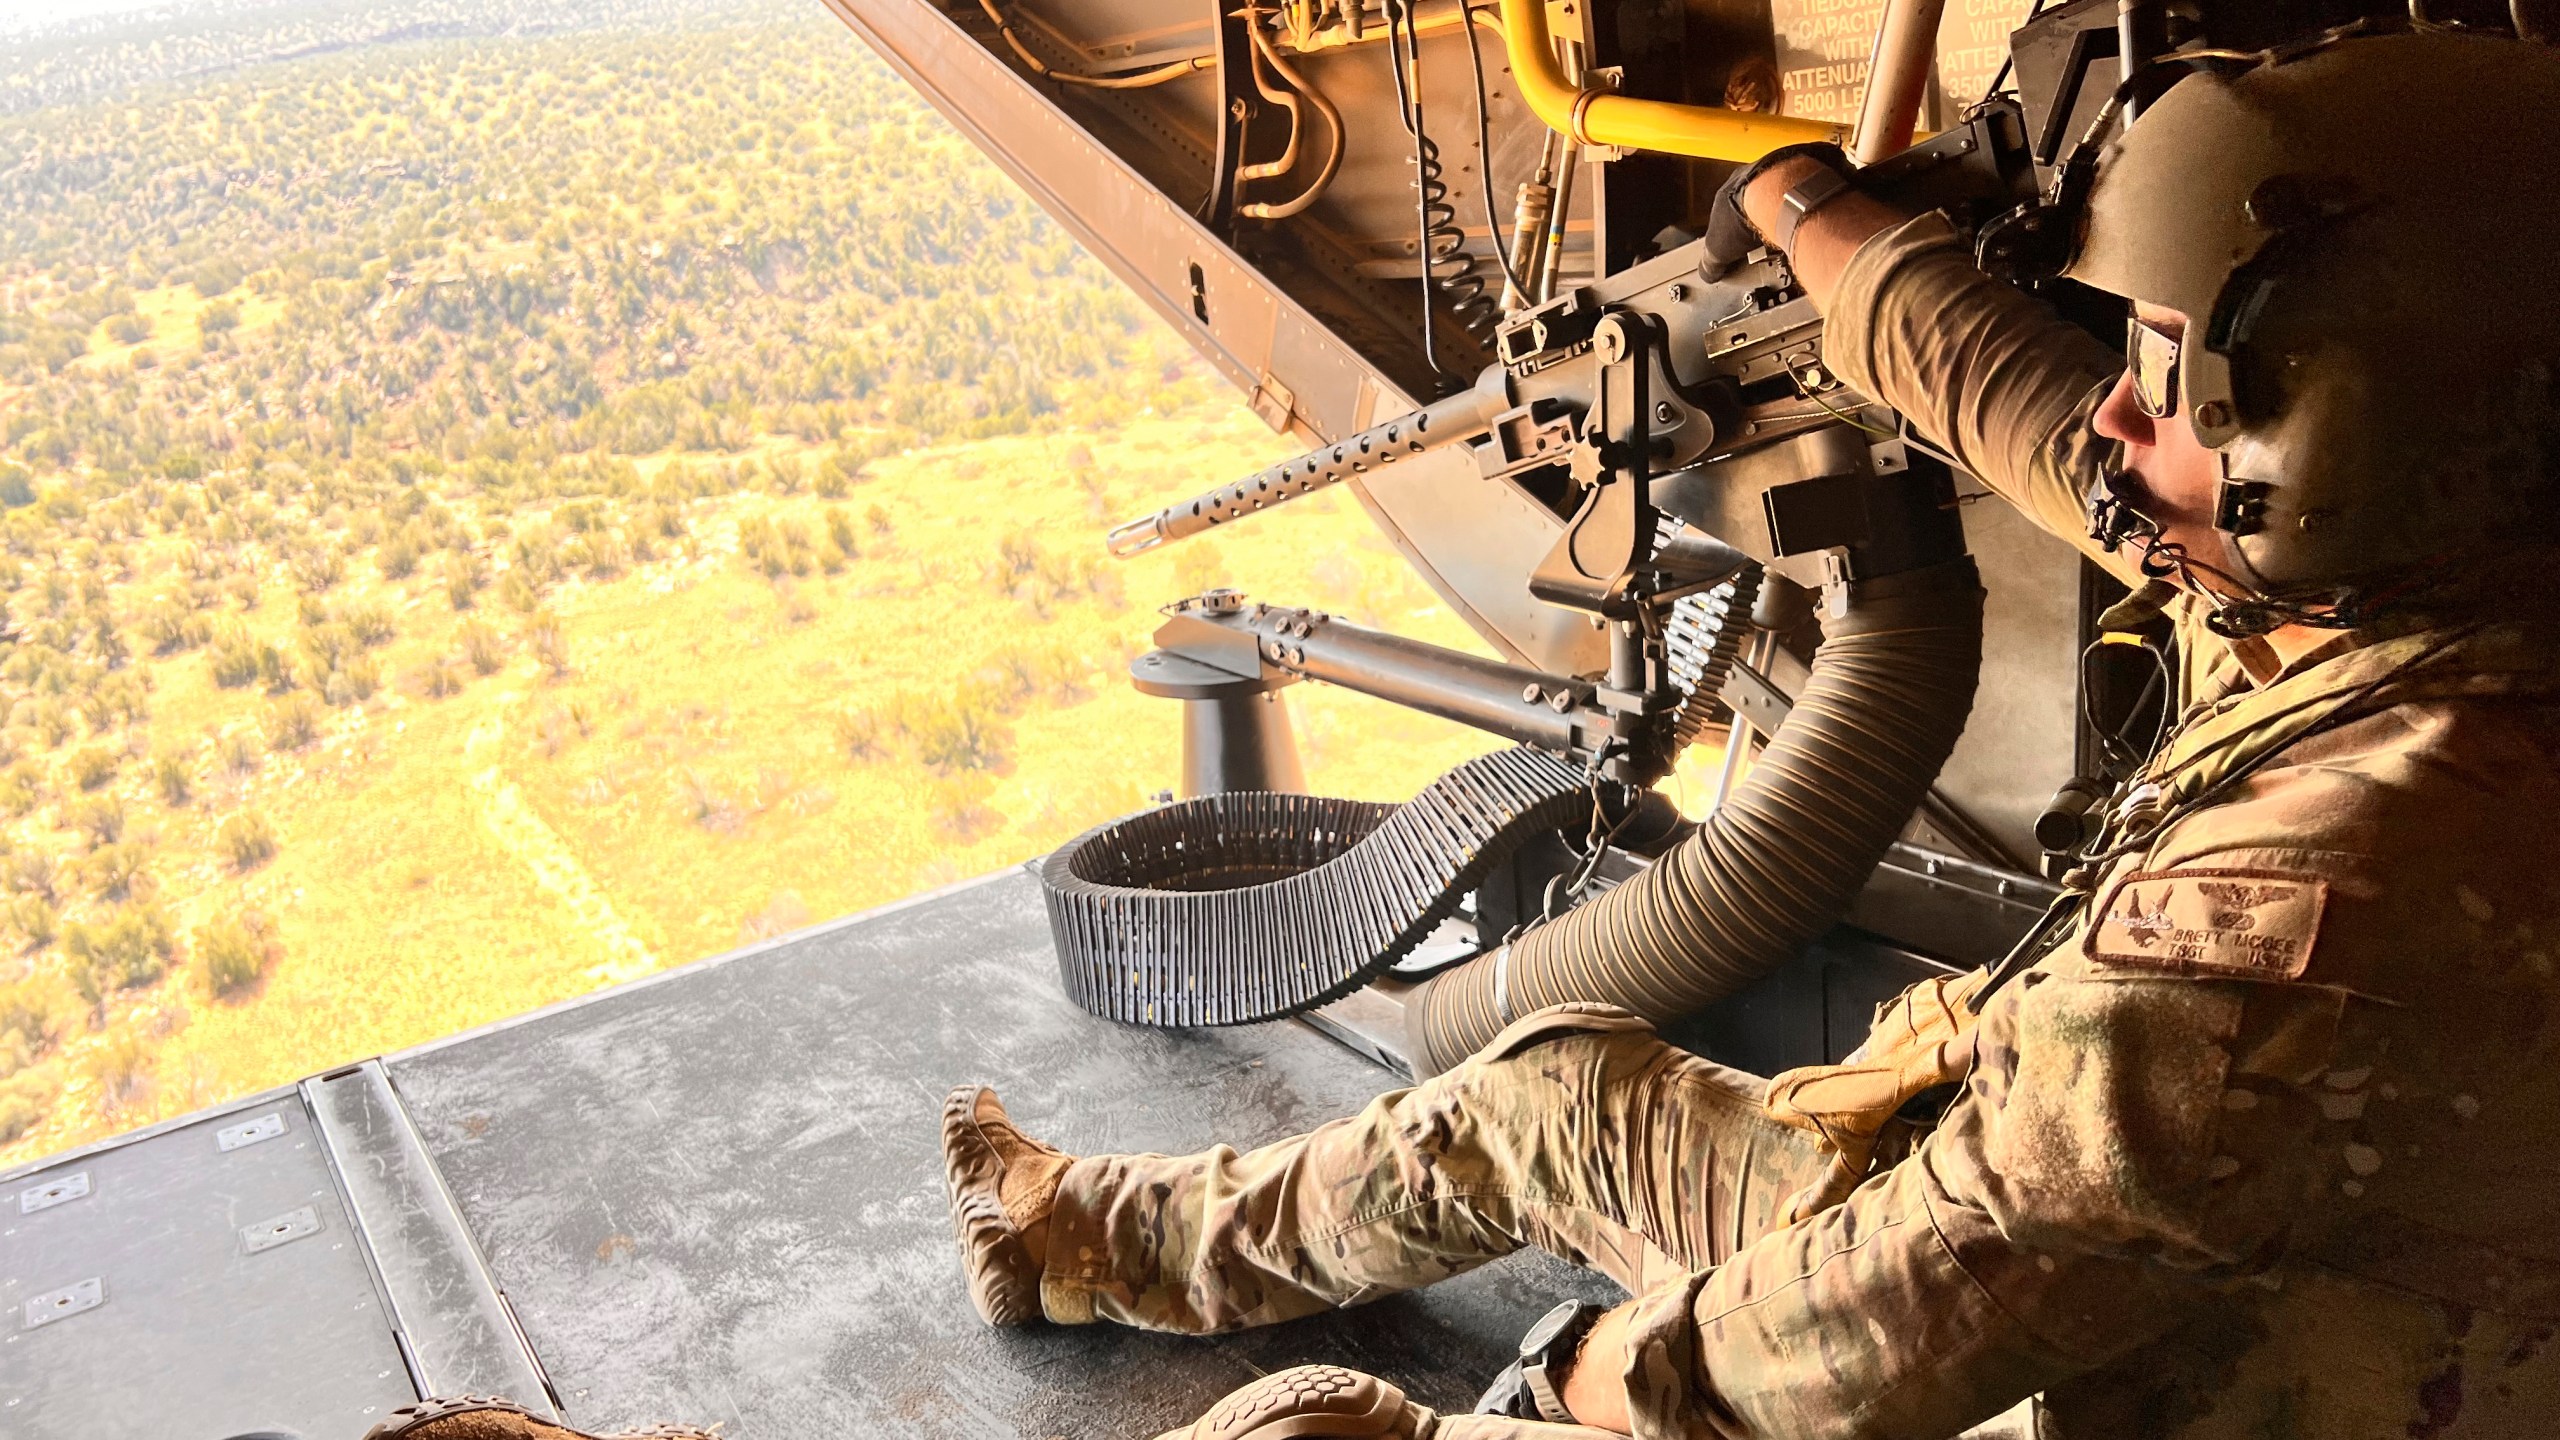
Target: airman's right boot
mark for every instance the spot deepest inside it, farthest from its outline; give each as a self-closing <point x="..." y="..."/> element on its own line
<point x="1002" y="1185"/>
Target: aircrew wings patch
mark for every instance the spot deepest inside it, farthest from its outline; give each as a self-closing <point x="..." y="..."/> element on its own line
<point x="2253" y="924"/>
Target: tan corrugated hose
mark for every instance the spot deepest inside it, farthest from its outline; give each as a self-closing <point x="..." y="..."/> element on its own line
<point x="1778" y="862"/>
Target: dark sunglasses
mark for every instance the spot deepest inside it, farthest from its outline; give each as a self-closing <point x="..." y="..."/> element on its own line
<point x="2151" y="356"/>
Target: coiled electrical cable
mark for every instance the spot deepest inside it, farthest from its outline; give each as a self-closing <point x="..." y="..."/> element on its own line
<point x="1439" y="238"/>
<point x="1454" y="270"/>
<point x="1779" y="861"/>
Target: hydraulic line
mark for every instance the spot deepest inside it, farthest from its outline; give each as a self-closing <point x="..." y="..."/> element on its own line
<point x="1529" y="214"/>
<point x="1778" y="862"/>
<point x="1551" y="256"/>
<point x="1598" y="117"/>
<point x="1289" y="76"/>
<point x="1139" y="81"/>
<point x="1278" y="94"/>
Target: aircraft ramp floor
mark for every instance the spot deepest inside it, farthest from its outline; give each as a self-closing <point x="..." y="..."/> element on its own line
<point x="710" y="1195"/>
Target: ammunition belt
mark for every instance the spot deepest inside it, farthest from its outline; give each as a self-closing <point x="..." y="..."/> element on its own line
<point x="1702" y="641"/>
<point x="1230" y="909"/>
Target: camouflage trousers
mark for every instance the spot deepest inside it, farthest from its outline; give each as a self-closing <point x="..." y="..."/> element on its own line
<point x="1575" y="1130"/>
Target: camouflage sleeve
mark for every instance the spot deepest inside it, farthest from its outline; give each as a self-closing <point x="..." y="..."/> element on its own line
<point x="1987" y="373"/>
<point x="2128" y="1147"/>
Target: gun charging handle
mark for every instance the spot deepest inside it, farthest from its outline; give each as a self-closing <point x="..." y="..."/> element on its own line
<point x="1454" y="420"/>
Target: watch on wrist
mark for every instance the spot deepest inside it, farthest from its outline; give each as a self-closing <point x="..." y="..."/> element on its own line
<point x="1536" y="1380"/>
<point x="1808" y="195"/>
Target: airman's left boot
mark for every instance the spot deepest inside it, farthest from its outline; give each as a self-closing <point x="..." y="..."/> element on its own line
<point x="1002" y="1185"/>
<point x="480" y="1417"/>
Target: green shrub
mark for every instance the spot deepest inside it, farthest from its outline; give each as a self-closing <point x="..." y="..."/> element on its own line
<point x="482" y="648"/>
<point x="53" y="722"/>
<point x="31" y="872"/>
<point x="113" y="870"/>
<point x="92" y="766"/>
<point x="234" y="658"/>
<point x="174" y="779"/>
<point x="325" y="646"/>
<point x="34" y="1011"/>
<point x="352" y="683"/>
<point x="963" y="731"/>
<point x="434" y="679"/>
<point x="119" y="1067"/>
<point x="35" y="920"/>
<point x="371" y="625"/>
<point x="246" y="840"/>
<point x="463" y="577"/>
<point x="218" y="276"/>
<point x="129" y="948"/>
<point x="171" y="626"/>
<point x="25" y="1100"/>
<point x="128" y="329"/>
<point x="549" y="643"/>
<point x="292" y="723"/>
<point x="100" y="817"/>
<point x="236" y="953"/>
<point x="21" y="790"/>
<point x="705" y="805"/>
<point x="238" y="754"/>
<point x="858" y="735"/>
<point x="317" y="568"/>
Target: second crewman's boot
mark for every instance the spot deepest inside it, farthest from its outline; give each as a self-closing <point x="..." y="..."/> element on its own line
<point x="481" y="1417"/>
<point x="1002" y="1184"/>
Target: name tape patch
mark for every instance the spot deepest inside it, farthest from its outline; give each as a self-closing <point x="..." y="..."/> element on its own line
<point x="2256" y="924"/>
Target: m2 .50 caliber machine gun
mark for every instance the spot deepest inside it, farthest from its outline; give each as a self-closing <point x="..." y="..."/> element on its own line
<point x="1708" y="466"/>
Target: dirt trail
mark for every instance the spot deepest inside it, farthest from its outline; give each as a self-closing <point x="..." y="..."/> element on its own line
<point x="522" y="833"/>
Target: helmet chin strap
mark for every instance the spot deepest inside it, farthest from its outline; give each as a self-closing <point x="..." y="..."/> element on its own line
<point x="2240" y="608"/>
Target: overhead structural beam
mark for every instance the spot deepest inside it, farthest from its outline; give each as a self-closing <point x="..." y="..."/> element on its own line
<point x="1600" y="117"/>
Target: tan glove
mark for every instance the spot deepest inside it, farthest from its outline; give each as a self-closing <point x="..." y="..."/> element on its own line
<point x="1922" y="1040"/>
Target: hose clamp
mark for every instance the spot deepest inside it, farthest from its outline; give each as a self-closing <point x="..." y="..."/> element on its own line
<point x="1502" y="987"/>
<point x="1580" y="127"/>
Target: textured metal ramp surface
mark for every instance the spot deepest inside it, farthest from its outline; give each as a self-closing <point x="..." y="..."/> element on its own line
<point x="194" y="1282"/>
<point x="716" y="1196"/>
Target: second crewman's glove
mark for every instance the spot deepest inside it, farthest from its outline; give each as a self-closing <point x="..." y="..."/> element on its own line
<point x="1921" y="1041"/>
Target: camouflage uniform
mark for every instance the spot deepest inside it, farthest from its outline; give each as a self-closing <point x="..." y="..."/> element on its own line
<point x="2265" y="1145"/>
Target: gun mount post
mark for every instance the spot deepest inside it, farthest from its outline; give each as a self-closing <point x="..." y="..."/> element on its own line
<point x="1235" y="729"/>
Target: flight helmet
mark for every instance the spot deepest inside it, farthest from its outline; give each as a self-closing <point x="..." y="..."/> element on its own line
<point x="2361" y="233"/>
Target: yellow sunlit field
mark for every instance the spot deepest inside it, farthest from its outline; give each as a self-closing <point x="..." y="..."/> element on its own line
<point x="702" y="754"/>
<point x="487" y="516"/>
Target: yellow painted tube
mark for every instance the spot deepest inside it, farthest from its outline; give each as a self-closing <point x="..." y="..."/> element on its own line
<point x="1598" y="117"/>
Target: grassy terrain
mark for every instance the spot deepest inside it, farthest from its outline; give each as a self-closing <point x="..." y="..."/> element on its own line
<point x="711" y="755"/>
<point x="497" y="500"/>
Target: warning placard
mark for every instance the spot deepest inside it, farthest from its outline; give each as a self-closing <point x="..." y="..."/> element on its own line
<point x="1826" y="48"/>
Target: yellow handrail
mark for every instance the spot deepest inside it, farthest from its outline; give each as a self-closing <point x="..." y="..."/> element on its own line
<point x="1600" y="117"/>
